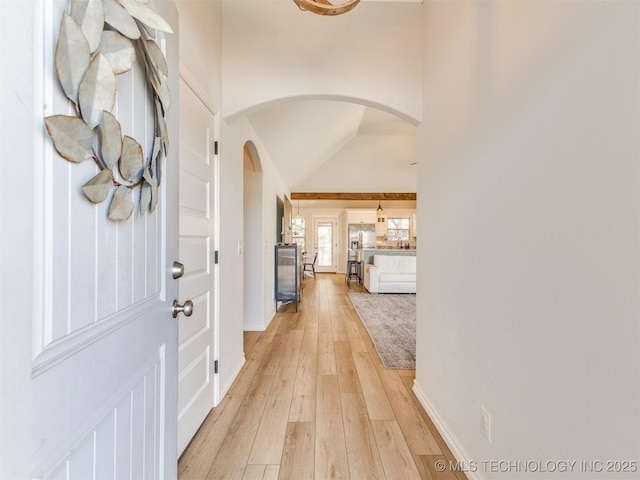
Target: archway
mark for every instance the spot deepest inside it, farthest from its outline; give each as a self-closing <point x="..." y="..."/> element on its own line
<point x="253" y="258"/>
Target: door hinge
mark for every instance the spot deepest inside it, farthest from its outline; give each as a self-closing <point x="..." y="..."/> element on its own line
<point x="215" y="366"/>
<point x="215" y="257"/>
<point x="215" y="147"/>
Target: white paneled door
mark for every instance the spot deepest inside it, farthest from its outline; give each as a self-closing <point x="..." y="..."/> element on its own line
<point x="91" y="391"/>
<point x="197" y="384"/>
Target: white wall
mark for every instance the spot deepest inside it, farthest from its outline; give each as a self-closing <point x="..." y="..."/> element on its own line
<point x="253" y="251"/>
<point x="201" y="45"/>
<point x="273" y="50"/>
<point x="528" y="205"/>
<point x="234" y="135"/>
<point x="273" y="187"/>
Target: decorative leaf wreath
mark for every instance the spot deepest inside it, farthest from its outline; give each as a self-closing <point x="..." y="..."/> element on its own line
<point x="98" y="40"/>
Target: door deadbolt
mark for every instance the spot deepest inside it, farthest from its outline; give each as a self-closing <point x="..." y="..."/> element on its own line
<point x="177" y="270"/>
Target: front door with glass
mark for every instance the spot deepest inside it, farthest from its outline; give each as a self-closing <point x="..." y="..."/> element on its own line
<point x="324" y="242"/>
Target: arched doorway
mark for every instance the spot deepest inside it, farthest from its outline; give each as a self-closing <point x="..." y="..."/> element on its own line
<point x="253" y="258"/>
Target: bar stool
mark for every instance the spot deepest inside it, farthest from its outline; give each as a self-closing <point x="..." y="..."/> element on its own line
<point x="352" y="271"/>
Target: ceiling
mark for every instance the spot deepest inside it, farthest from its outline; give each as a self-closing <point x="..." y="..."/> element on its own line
<point x="334" y="146"/>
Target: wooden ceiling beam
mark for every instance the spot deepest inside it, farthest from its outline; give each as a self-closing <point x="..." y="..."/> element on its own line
<point x="351" y="196"/>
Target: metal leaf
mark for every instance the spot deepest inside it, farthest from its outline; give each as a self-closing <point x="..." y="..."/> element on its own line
<point x="148" y="175"/>
<point x="121" y="205"/>
<point x="72" y="137"/>
<point x="119" y="50"/>
<point x="159" y="85"/>
<point x="145" y="197"/>
<point x="156" y="159"/>
<point x="111" y="139"/>
<point x="118" y="17"/>
<point x="72" y="56"/>
<point x="159" y="167"/>
<point x="161" y="89"/>
<point x="146" y="15"/>
<point x="165" y="137"/>
<point x="153" y="185"/>
<point x="151" y="32"/>
<point x="156" y="56"/>
<point x="157" y="146"/>
<point x="161" y="126"/>
<point x="97" y="90"/>
<point x="154" y="197"/>
<point x="89" y="15"/>
<point x="132" y="160"/>
<point x="99" y="186"/>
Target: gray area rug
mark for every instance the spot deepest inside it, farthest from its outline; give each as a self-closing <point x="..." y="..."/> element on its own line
<point x="391" y="322"/>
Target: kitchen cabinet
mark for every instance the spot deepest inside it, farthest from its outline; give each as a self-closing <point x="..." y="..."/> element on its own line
<point x="361" y="216"/>
<point x="381" y="226"/>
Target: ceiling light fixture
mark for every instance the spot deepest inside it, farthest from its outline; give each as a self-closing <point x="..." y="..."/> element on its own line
<point x="323" y="7"/>
<point x="379" y="215"/>
<point x="297" y="223"/>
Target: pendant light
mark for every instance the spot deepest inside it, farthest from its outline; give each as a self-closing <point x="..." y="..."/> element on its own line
<point x="381" y="231"/>
<point x="323" y="7"/>
<point x="297" y="222"/>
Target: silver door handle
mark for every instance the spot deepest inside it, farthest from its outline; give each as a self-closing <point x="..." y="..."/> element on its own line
<point x="177" y="270"/>
<point x="187" y="308"/>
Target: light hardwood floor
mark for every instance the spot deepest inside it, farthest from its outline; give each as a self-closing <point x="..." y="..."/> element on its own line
<point x="313" y="401"/>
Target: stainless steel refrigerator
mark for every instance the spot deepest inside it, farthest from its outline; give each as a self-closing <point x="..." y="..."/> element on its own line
<point x="364" y="234"/>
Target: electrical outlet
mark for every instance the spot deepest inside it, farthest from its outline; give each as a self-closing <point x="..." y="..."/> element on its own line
<point x="485" y="422"/>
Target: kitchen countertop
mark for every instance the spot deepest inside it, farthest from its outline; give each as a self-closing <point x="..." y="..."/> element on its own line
<point x="383" y="249"/>
<point x="366" y="254"/>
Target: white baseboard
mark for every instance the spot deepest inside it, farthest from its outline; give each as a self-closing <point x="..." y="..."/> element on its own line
<point x="259" y="326"/>
<point x="223" y="389"/>
<point x="449" y="438"/>
<point x="270" y="316"/>
<point x="253" y="327"/>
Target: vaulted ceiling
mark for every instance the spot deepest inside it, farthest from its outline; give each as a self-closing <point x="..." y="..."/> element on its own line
<point x="319" y="144"/>
<point x="333" y="146"/>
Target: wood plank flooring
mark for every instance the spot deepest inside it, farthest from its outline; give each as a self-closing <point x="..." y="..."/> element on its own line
<point x="313" y="401"/>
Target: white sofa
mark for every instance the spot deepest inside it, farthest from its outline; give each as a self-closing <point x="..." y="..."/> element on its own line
<point x="391" y="274"/>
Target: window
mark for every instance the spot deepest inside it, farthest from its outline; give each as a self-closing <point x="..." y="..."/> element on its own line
<point x="297" y="232"/>
<point x="397" y="229"/>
